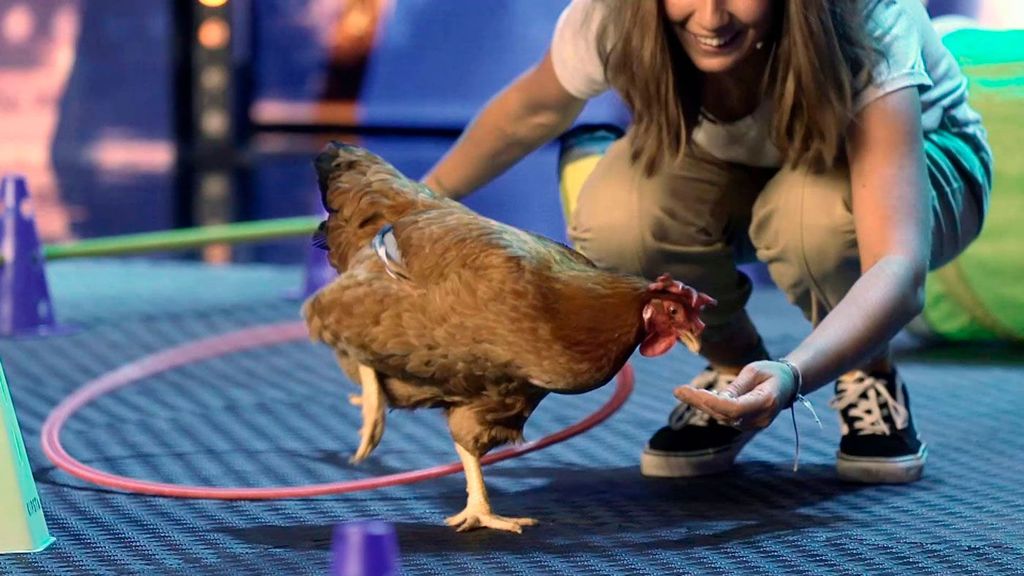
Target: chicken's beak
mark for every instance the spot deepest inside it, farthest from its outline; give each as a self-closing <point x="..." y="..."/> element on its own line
<point x="320" y="236"/>
<point x="690" y="340"/>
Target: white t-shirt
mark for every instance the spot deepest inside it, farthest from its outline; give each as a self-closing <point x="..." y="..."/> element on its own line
<point x="913" y="56"/>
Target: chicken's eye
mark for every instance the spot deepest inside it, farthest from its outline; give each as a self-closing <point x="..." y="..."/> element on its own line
<point x="671" y="310"/>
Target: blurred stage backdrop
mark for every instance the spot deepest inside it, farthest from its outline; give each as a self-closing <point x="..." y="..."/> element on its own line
<point x="137" y="116"/>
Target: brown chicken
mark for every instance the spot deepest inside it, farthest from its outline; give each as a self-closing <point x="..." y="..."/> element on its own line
<point x="439" y="307"/>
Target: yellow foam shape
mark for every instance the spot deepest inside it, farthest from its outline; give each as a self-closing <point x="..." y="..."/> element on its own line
<point x="574" y="175"/>
<point x="22" y="525"/>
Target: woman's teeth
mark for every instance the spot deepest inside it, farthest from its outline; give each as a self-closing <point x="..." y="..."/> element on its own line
<point x="713" y="41"/>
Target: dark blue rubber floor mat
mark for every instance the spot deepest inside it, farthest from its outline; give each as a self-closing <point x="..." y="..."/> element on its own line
<point x="280" y="416"/>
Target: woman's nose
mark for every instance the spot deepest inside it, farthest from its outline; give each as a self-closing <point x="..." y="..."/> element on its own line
<point x="711" y="15"/>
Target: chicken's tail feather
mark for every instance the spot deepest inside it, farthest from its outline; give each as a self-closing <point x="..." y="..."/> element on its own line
<point x="347" y="169"/>
<point x="324" y="164"/>
<point x="362" y="192"/>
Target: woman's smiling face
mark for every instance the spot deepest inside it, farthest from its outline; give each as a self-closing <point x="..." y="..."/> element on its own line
<point x="718" y="34"/>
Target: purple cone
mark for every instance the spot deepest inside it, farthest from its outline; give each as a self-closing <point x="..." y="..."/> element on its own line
<point x="25" y="306"/>
<point x="364" y="549"/>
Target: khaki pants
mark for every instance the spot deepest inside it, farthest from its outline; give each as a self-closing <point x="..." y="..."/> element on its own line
<point x="700" y="218"/>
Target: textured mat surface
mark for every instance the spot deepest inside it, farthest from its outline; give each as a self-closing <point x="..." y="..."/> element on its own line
<point x="279" y="416"/>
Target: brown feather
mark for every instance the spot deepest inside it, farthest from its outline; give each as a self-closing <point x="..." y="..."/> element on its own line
<point x="491" y="318"/>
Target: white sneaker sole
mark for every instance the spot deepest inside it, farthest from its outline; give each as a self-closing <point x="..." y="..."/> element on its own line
<point x="660" y="464"/>
<point x="882" y="470"/>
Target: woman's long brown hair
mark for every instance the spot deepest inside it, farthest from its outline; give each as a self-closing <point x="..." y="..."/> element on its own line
<point x="823" y="55"/>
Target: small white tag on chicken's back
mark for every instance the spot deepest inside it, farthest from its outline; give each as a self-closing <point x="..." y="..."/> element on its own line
<point x="386" y="246"/>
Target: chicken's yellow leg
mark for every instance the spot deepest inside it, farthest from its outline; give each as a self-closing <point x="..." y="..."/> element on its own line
<point x="372" y="403"/>
<point x="477" y="513"/>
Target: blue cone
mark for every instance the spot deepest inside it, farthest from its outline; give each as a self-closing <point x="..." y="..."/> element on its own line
<point x="25" y="306"/>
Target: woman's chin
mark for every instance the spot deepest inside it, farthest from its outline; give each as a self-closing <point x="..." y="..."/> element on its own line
<point x="715" y="64"/>
<point x="714" y="60"/>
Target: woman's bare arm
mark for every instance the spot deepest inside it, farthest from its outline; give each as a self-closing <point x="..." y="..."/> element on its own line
<point x="529" y="112"/>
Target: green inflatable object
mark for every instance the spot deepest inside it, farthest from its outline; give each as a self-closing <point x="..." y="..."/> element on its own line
<point x="979" y="296"/>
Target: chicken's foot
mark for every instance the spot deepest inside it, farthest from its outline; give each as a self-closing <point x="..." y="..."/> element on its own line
<point x="372" y="403"/>
<point x="477" y="513"/>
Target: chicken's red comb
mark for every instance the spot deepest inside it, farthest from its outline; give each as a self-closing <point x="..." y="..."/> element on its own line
<point x="665" y="283"/>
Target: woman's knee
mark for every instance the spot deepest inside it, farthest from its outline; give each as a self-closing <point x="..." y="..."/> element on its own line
<point x="802" y="227"/>
<point x="607" y="237"/>
<point x="605" y="224"/>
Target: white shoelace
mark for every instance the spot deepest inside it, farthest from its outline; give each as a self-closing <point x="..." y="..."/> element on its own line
<point x="796" y="431"/>
<point x="868" y="395"/>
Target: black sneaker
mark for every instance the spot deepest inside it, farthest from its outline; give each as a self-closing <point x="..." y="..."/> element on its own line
<point x="693" y="443"/>
<point x="879" y="443"/>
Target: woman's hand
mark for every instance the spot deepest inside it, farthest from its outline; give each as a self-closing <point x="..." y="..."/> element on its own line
<point x="761" y="390"/>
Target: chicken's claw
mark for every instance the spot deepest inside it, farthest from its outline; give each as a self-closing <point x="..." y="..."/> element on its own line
<point x="369" y="436"/>
<point x="372" y="403"/>
<point x="472" y="518"/>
